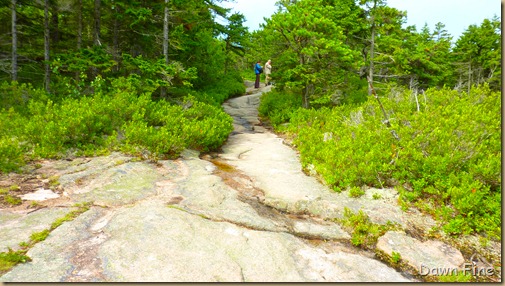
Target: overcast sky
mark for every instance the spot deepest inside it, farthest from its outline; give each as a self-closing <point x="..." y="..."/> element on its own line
<point x="457" y="15"/>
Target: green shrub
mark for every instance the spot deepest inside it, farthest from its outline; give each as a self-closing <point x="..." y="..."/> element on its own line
<point x="17" y="95"/>
<point x="207" y="127"/>
<point x="167" y="130"/>
<point x="115" y="118"/>
<point x="14" y="188"/>
<point x="230" y="85"/>
<point x="279" y="106"/>
<point x="448" y="155"/>
<point x="248" y="74"/>
<point x="11" y="200"/>
<point x="356" y="192"/>
<point x="364" y="233"/>
<point x="24" y="244"/>
<point x="74" y="123"/>
<point x="11" y="154"/>
<point x="395" y="257"/>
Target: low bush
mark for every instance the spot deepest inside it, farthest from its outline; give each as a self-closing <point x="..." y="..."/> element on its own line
<point x="167" y="130"/>
<point x="12" y="200"/>
<point x="356" y="192"/>
<point x="11" y="154"/>
<point x="120" y="117"/>
<point x="364" y="233"/>
<point x="17" y="96"/>
<point x="229" y="85"/>
<point x="248" y="74"/>
<point x="447" y="160"/>
<point x="278" y="107"/>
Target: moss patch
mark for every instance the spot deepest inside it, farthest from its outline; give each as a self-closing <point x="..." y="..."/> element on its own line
<point x="10" y="258"/>
<point x="364" y="233"/>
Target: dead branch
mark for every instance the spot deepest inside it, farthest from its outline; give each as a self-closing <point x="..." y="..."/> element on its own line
<point x="386" y="121"/>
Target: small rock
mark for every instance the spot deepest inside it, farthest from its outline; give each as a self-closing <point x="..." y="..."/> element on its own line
<point x="190" y="154"/>
<point x="40" y="195"/>
<point x="421" y="256"/>
<point x="210" y="168"/>
<point x="259" y="129"/>
<point x="311" y="170"/>
<point x="206" y="157"/>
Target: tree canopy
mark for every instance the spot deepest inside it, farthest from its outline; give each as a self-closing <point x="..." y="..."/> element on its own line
<point x="322" y="48"/>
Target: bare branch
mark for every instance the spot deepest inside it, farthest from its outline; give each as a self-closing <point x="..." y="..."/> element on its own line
<point x="386" y="121"/>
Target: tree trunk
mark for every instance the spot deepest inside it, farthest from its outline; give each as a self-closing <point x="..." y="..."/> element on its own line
<point x="469" y="75"/>
<point x="386" y="121"/>
<point x="165" y="32"/>
<point x="55" y="33"/>
<point x="163" y="91"/>
<point x="47" y="75"/>
<point x="372" y="45"/>
<point x="413" y="88"/>
<point x="79" y="24"/>
<point x="96" y="34"/>
<point x="115" y="39"/>
<point x="96" y="28"/>
<point x="79" y="33"/>
<point x="305" y="90"/>
<point x="14" y="42"/>
<point x="305" y="99"/>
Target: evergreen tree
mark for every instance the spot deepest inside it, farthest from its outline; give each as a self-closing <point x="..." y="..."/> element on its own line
<point x="311" y="49"/>
<point x="477" y="55"/>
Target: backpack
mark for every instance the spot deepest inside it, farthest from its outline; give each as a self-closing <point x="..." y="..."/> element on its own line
<point x="258" y="68"/>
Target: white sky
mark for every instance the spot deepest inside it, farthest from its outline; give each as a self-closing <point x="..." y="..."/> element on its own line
<point x="457" y="15"/>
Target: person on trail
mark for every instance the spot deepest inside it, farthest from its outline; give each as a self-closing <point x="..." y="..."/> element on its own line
<point x="258" y="69"/>
<point x="268" y="71"/>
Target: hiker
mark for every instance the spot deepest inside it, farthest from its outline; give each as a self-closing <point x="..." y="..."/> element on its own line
<point x="258" y="69"/>
<point x="268" y="71"/>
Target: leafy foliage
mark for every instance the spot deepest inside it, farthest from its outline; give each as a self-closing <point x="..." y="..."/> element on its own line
<point x="461" y="277"/>
<point x="449" y="167"/>
<point x="39" y="236"/>
<point x="447" y="161"/>
<point x="310" y="47"/>
<point x="11" y="200"/>
<point x="114" y="118"/>
<point x="356" y="192"/>
<point x="230" y="85"/>
<point x="10" y="258"/>
<point x="278" y="107"/>
<point x="477" y="54"/>
<point x="395" y="257"/>
<point x="364" y="233"/>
